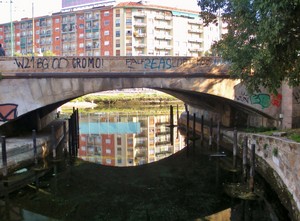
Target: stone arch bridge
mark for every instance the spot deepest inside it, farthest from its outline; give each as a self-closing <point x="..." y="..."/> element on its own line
<point x="39" y="85"/>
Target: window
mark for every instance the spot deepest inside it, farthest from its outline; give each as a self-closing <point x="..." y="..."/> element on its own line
<point x="117" y="42"/>
<point x="119" y="142"/>
<point x="117" y="22"/>
<point x="108" y="151"/>
<point x="118" y="13"/>
<point x="106" y="43"/>
<point x="106" y="53"/>
<point x="108" y="161"/>
<point x="107" y="141"/>
<point x="106" y="13"/>
<point x="128" y="21"/>
<point x="106" y="22"/>
<point x="118" y="33"/>
<point x="106" y="33"/>
<point x="57" y="20"/>
<point x="81" y="45"/>
<point x="118" y="52"/>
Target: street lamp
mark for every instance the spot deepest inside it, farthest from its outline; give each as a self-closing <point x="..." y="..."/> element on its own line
<point x="11" y="26"/>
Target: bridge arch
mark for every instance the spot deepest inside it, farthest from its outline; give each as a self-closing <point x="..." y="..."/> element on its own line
<point x="29" y="84"/>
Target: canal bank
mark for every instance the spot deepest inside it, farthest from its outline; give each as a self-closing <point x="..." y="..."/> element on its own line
<point x="275" y="157"/>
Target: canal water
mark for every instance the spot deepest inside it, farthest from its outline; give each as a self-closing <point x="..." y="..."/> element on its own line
<point x="134" y="166"/>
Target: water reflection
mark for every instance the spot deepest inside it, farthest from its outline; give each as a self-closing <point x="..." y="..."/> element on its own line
<point x="130" y="139"/>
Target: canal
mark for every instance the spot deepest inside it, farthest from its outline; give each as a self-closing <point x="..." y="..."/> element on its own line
<point x="134" y="166"/>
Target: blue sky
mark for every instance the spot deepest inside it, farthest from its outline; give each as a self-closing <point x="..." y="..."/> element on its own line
<point x="23" y="8"/>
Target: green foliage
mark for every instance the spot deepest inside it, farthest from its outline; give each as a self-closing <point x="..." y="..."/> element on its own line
<point x="263" y="40"/>
<point x="275" y="151"/>
<point x="295" y="137"/>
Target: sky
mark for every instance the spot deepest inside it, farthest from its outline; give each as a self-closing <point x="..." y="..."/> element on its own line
<point x="23" y="8"/>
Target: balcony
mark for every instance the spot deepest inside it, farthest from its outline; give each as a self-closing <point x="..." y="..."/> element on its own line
<point x="194" y="30"/>
<point x="140" y="46"/>
<point x="139" y="35"/>
<point x="163" y="27"/>
<point x="196" y="22"/>
<point x="140" y="24"/>
<point x="196" y="40"/>
<point x="163" y="17"/>
<point x="140" y="15"/>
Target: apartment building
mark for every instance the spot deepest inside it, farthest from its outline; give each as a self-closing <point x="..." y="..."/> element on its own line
<point x="124" y="29"/>
<point x="127" y="140"/>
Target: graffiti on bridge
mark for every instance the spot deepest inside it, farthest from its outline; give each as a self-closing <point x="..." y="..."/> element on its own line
<point x="8" y="112"/>
<point x="262" y="99"/>
<point x="164" y="63"/>
<point x="59" y="63"/>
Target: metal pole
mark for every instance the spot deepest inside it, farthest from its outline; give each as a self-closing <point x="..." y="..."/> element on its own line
<point x="234" y="141"/>
<point x="202" y="128"/>
<point x="11" y="30"/>
<point x="33" y="30"/>
<point x="34" y="147"/>
<point x="211" y="132"/>
<point x="245" y="150"/>
<point x="53" y="142"/>
<point x="218" y="137"/>
<point x="4" y="155"/>
<point x="252" y="168"/>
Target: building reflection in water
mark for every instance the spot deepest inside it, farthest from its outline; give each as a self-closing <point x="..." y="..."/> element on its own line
<point x="127" y="139"/>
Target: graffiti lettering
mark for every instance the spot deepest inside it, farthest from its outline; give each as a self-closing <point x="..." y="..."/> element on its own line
<point x="276" y="100"/>
<point x="262" y="99"/>
<point x="157" y="63"/>
<point x="8" y="112"/>
<point x="59" y="63"/>
<point x="244" y="98"/>
<point x="87" y="62"/>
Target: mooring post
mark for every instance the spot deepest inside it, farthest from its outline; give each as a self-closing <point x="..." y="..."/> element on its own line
<point x="53" y="142"/>
<point x="245" y="151"/>
<point x="234" y="146"/>
<point x="187" y="131"/>
<point x="171" y="125"/>
<point x="194" y="131"/>
<point x="4" y="156"/>
<point x="34" y="146"/>
<point x="171" y="116"/>
<point x="218" y="136"/>
<point x="70" y="135"/>
<point x="210" y="132"/>
<point x="202" y="128"/>
<point x="252" y="167"/>
<point x="77" y="131"/>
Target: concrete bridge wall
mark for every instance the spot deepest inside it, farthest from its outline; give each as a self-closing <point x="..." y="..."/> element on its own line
<point x="29" y="83"/>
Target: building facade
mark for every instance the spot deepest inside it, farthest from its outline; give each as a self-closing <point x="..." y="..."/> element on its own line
<point x="124" y="29"/>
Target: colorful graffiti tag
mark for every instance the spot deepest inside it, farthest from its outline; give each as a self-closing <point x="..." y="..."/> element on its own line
<point x="262" y="99"/>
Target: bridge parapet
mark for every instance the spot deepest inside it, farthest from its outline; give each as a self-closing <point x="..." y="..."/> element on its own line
<point x="124" y="64"/>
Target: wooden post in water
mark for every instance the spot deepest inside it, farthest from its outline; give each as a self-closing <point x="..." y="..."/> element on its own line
<point x="218" y="137"/>
<point x="194" y="131"/>
<point x="171" y="125"/>
<point x="4" y="156"/>
<point x="210" y="132"/>
<point x="70" y="136"/>
<point x="252" y="168"/>
<point x="187" y="131"/>
<point x="53" y="142"/>
<point x="202" y="128"/>
<point x="65" y="136"/>
<point x="77" y="131"/>
<point x="34" y="146"/>
<point x="234" y="146"/>
<point x="245" y="151"/>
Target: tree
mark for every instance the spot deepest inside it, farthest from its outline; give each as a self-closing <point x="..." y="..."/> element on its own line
<point x="263" y="40"/>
